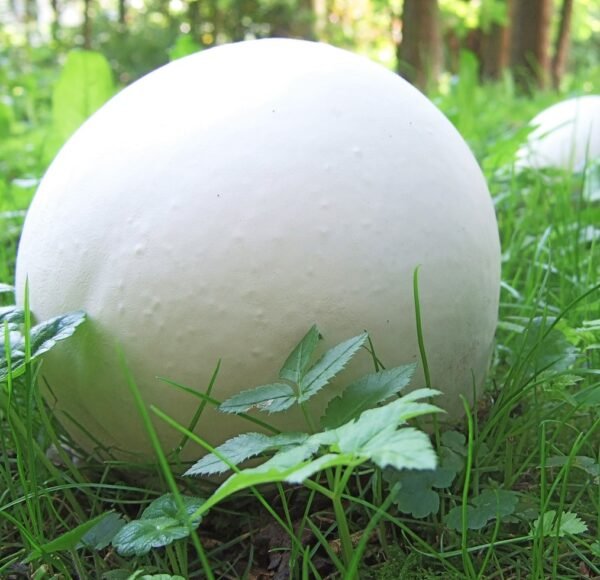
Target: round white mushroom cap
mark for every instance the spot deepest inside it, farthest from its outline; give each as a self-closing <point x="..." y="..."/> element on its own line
<point x="221" y="205"/>
<point x="566" y="135"/>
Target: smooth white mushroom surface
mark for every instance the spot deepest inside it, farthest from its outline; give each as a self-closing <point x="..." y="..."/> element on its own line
<point x="566" y="136"/>
<point x="221" y="205"/>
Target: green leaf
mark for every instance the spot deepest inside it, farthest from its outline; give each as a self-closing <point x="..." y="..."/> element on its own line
<point x="46" y="334"/>
<point x="570" y="523"/>
<point x="366" y="393"/>
<point x="83" y="86"/>
<point x="140" y="536"/>
<point x="166" y="506"/>
<point x="332" y="362"/>
<point x="272" y="398"/>
<point x="489" y="505"/>
<point x="587" y="464"/>
<point x="595" y="548"/>
<point x="297" y="362"/>
<point x="415" y="495"/>
<point x="354" y="436"/>
<point x="161" y="523"/>
<point x="158" y="577"/>
<point x="372" y="436"/>
<point x="67" y="541"/>
<point x="11" y="315"/>
<point x="103" y="532"/>
<point x="241" y="448"/>
<point x="43" y="337"/>
<point x="407" y="448"/>
<point x="552" y="351"/>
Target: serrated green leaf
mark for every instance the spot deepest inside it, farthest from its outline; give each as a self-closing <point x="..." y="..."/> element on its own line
<point x="102" y="534"/>
<point x="353" y="436"/>
<point x="11" y="315"/>
<point x="366" y="393"/>
<point x="67" y="541"/>
<point x="407" y="448"/>
<point x="489" y="505"/>
<point x="331" y="363"/>
<point x="272" y="398"/>
<point x="372" y="436"/>
<point x="46" y="334"/>
<point x="166" y="506"/>
<point x="42" y="338"/>
<point x="139" y="536"/>
<point x="296" y="364"/>
<point x="241" y="448"/>
<point x="570" y="523"/>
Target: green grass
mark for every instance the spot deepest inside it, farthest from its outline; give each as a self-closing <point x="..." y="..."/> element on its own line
<point x="532" y="444"/>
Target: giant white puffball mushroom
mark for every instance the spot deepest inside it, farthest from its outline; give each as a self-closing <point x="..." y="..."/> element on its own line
<point x="566" y="136"/>
<point x="221" y="205"/>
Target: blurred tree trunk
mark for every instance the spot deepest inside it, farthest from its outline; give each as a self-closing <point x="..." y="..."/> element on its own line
<point x="530" y="58"/>
<point x="561" y="49"/>
<point x="495" y="46"/>
<point x="122" y="12"/>
<point x="55" y="24"/>
<point x="306" y="20"/>
<point x="87" y="24"/>
<point x="194" y="18"/>
<point x="420" y="51"/>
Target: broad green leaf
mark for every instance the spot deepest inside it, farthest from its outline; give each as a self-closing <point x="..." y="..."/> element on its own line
<point x="489" y="505"/>
<point x="139" y="536"/>
<point x="161" y="523"/>
<point x="570" y="523"/>
<point x="332" y="362"/>
<point x="166" y="506"/>
<point x="587" y="464"/>
<point x="241" y="448"/>
<point x="157" y="577"/>
<point x="415" y="495"/>
<point x="296" y="364"/>
<point x="552" y="351"/>
<point x="455" y="441"/>
<point x="84" y="85"/>
<point x="272" y="398"/>
<point x="595" y="547"/>
<point x="67" y="541"/>
<point x="103" y="532"/>
<point x="366" y="393"/>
